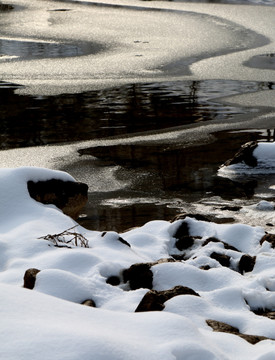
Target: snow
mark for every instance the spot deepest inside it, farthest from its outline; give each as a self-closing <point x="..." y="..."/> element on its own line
<point x="50" y="322"/>
<point x="264" y="153"/>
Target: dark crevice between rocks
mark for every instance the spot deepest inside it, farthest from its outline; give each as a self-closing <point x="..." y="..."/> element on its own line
<point x="154" y="300"/>
<point x="223" y="327"/>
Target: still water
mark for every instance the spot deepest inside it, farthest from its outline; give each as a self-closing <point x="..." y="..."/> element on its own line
<point x="156" y="181"/>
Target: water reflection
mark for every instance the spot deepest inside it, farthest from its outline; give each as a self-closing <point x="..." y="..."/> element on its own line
<point x="116" y="111"/>
<point x="39" y="50"/>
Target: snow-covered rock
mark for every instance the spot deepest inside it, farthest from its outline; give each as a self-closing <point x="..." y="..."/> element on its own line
<point x="50" y="320"/>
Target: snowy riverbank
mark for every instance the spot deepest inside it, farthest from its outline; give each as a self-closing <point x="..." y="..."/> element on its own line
<point x="49" y="321"/>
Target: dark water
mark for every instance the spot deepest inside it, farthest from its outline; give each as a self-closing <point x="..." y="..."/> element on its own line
<point x="163" y="178"/>
<point x="42" y="50"/>
<point x="28" y="120"/>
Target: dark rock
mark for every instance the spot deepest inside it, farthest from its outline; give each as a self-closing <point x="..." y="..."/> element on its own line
<point x="223" y="327"/>
<point x="154" y="300"/>
<point x="30" y="278"/>
<point x="246" y="263"/>
<point x="269" y="238"/>
<point x="245" y="154"/>
<point x="89" y="302"/>
<point x="69" y="196"/>
<point x="205" y="267"/>
<point x="139" y="276"/>
<point x="178" y="257"/>
<point x="181" y="231"/>
<point x="113" y="280"/>
<point x="265" y="312"/>
<point x="123" y="241"/>
<point x="184" y="242"/>
<point x="223" y="259"/>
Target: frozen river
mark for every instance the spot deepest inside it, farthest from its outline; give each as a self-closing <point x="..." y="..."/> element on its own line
<point x="154" y="95"/>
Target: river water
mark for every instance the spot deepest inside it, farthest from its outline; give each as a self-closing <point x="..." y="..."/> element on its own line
<point x="147" y="136"/>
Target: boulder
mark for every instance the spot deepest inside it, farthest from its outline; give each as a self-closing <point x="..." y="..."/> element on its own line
<point x="154" y="300"/>
<point x="69" y="196"/>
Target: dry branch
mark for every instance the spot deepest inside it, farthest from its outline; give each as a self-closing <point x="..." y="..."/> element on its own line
<point x="67" y="237"/>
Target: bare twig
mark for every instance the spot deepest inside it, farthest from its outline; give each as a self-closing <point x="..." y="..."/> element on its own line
<point x="75" y="238"/>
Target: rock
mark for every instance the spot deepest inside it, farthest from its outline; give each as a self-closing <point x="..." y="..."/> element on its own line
<point x="223" y="259"/>
<point x="89" y="302"/>
<point x="265" y="312"/>
<point x="184" y="242"/>
<point x="246" y="263"/>
<point x="223" y="327"/>
<point x="245" y="154"/>
<point x="30" y="278"/>
<point x="154" y="300"/>
<point x="269" y="238"/>
<point x="113" y="280"/>
<point x="69" y="196"/>
<point x="139" y="276"/>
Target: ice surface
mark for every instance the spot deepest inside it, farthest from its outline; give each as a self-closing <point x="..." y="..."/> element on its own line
<point x="128" y="44"/>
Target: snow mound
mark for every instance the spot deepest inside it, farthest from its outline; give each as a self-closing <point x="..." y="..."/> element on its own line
<point x="253" y="158"/>
<point x="230" y="267"/>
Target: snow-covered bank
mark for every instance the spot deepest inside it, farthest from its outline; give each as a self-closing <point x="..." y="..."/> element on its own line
<point x="50" y="322"/>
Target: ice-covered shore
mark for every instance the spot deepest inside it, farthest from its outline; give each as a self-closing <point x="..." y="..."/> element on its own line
<point x="50" y="322"/>
<point x="101" y="44"/>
